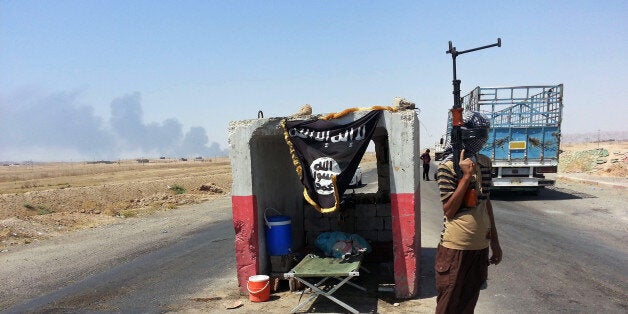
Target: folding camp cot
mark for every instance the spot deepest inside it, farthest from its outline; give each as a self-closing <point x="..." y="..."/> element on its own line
<point x="326" y="267"/>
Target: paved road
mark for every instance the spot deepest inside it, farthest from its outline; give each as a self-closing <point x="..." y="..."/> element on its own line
<point x="145" y="265"/>
<point x="564" y="251"/>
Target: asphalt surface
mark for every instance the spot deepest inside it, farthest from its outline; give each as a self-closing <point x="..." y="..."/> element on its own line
<point x="605" y="181"/>
<point x="148" y="283"/>
<point x="144" y="265"/>
<point x="565" y="250"/>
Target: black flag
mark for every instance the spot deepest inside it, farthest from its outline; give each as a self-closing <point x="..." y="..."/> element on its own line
<point x="328" y="155"/>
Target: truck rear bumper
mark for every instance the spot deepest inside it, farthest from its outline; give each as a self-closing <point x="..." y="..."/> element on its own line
<point x="521" y="182"/>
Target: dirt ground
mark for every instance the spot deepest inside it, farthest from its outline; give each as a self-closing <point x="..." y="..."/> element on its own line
<point x="38" y="201"/>
<point x="603" y="158"/>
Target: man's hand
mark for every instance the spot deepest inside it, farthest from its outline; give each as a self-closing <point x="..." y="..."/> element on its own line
<point x="466" y="165"/>
<point x="496" y="250"/>
<point x="452" y="205"/>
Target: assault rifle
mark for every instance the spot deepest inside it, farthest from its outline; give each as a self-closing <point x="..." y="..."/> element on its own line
<point x="456" y="111"/>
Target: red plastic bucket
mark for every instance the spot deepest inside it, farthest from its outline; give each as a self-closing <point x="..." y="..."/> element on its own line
<point x="259" y="288"/>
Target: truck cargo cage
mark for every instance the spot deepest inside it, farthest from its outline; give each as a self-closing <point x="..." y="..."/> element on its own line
<point x="518" y="106"/>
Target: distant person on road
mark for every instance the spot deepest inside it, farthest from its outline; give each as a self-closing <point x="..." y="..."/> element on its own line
<point x="462" y="256"/>
<point x="426" y="164"/>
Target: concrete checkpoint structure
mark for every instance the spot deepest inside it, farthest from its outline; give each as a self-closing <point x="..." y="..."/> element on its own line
<point x="264" y="177"/>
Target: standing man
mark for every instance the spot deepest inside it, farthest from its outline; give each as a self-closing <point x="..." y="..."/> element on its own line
<point x="426" y="164"/>
<point x="462" y="257"/>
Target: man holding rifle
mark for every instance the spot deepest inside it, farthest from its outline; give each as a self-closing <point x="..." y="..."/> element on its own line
<point x="462" y="257"/>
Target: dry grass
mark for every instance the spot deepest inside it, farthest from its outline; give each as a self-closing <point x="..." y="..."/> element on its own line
<point x="42" y="199"/>
<point x="36" y="177"/>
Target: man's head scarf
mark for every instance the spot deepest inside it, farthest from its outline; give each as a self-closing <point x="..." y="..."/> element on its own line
<point x="474" y="134"/>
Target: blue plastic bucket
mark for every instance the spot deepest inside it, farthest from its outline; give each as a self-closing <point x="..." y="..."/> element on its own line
<point x="278" y="235"/>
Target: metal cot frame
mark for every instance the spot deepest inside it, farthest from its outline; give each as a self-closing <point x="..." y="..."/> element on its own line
<point x="327" y="268"/>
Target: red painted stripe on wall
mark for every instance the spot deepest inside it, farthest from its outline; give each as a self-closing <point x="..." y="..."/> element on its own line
<point x="246" y="237"/>
<point x="406" y="228"/>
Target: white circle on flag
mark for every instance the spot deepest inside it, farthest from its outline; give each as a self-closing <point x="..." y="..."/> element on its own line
<point x="322" y="170"/>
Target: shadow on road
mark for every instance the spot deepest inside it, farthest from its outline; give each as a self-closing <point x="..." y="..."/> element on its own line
<point x="551" y="193"/>
<point x="428" y="277"/>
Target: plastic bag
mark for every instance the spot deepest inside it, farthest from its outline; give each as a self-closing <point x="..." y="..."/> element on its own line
<point x="339" y="244"/>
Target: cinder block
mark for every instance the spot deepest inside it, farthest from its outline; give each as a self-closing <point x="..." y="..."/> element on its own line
<point x="347" y="225"/>
<point x="383" y="210"/>
<point x="369" y="223"/>
<point x="310" y="212"/>
<point x="336" y="213"/>
<point x="384" y="235"/>
<point x="387" y="223"/>
<point x="366" y="210"/>
<point x="370" y="235"/>
<point x="335" y="224"/>
<point x="317" y="224"/>
<point x="349" y="212"/>
<point x="310" y="238"/>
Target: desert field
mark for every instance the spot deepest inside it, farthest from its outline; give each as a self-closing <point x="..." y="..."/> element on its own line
<point x="38" y="201"/>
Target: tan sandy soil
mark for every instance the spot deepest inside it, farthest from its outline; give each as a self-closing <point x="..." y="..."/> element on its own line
<point x="40" y="200"/>
<point x="603" y="158"/>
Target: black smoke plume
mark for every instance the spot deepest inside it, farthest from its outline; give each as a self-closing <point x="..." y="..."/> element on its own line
<point x="58" y="127"/>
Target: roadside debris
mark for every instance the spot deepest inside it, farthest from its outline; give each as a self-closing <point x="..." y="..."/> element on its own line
<point x="233" y="305"/>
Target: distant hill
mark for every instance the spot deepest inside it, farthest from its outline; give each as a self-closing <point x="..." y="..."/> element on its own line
<point x="594" y="137"/>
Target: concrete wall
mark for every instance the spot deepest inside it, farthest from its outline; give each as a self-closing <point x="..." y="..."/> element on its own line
<point x="372" y="221"/>
<point x="264" y="176"/>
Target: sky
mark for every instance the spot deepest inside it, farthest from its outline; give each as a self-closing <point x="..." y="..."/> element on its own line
<point x="102" y="80"/>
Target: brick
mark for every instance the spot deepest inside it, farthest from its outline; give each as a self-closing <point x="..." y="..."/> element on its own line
<point x="310" y="238"/>
<point x="387" y="223"/>
<point x="370" y="235"/>
<point x="384" y="235"/>
<point x="335" y="224"/>
<point x="349" y="212"/>
<point x="310" y="212"/>
<point x="336" y="213"/>
<point x="316" y="224"/>
<point x="371" y="223"/>
<point x="366" y="210"/>
<point x="347" y="225"/>
<point x="383" y="210"/>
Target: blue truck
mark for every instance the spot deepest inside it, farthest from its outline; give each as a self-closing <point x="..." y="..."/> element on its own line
<point x="524" y="139"/>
